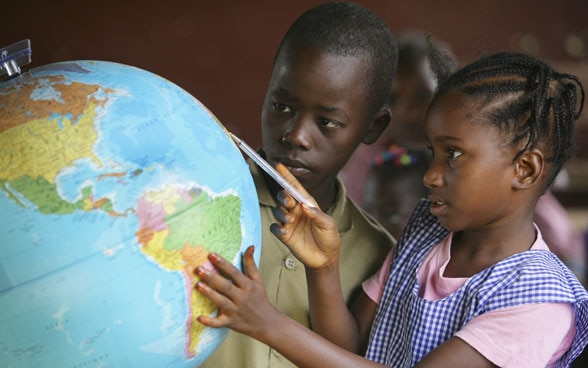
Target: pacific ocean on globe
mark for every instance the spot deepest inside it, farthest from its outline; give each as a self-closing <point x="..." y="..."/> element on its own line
<point x="115" y="184"/>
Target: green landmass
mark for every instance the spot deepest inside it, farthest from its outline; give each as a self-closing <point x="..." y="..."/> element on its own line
<point x="214" y="223"/>
<point x="44" y="195"/>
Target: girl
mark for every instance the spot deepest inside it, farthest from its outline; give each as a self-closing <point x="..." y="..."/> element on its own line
<point x="471" y="282"/>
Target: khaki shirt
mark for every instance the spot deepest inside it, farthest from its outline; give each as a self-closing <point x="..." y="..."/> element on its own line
<point x="364" y="246"/>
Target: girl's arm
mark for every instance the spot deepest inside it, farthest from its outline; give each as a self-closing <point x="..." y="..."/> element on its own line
<point x="245" y="308"/>
<point x="313" y="238"/>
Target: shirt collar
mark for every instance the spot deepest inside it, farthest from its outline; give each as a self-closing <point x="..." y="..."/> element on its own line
<point x="340" y="211"/>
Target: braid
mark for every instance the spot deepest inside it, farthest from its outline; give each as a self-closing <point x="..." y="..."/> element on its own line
<point x="527" y="99"/>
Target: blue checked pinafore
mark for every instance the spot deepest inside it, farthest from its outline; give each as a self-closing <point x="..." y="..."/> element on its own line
<point x="406" y="327"/>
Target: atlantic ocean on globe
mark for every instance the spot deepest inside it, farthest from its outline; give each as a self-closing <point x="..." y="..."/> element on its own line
<point x="114" y="185"/>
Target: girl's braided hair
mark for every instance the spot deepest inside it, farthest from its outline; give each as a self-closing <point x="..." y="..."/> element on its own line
<point x="526" y="98"/>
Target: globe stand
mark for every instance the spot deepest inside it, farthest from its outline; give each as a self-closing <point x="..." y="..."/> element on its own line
<point x="14" y="56"/>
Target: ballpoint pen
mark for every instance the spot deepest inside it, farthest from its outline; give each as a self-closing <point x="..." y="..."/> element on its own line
<point x="270" y="170"/>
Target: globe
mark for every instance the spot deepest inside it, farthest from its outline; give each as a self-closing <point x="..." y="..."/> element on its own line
<point x="114" y="185"/>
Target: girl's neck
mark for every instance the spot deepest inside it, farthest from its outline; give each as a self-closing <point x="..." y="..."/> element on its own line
<point x="474" y="251"/>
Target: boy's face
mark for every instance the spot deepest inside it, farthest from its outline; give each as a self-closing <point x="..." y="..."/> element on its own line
<point x="470" y="177"/>
<point x="315" y="114"/>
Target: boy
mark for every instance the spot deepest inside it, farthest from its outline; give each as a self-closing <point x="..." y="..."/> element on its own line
<point x="330" y="79"/>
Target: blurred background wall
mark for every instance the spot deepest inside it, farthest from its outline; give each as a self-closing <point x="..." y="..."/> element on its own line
<point x="221" y="51"/>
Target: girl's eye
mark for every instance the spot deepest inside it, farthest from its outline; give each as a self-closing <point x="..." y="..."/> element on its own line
<point x="329" y="123"/>
<point x="281" y="107"/>
<point x="453" y="153"/>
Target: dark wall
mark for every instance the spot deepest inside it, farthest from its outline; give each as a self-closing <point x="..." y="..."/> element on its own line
<point x="221" y="51"/>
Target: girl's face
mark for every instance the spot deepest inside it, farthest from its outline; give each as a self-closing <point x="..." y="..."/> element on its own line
<point x="471" y="172"/>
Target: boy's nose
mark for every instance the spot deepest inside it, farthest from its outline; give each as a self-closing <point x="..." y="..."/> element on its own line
<point x="299" y="134"/>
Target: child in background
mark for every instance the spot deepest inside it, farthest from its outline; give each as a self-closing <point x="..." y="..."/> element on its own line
<point x="330" y="80"/>
<point x="394" y="186"/>
<point x="471" y="282"/>
<point x="423" y="62"/>
<point x="560" y="234"/>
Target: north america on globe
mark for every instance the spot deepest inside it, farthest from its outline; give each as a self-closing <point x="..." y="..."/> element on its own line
<point x="115" y="185"/>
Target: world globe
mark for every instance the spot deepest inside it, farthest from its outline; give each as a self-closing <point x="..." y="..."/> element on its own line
<point x="114" y="185"/>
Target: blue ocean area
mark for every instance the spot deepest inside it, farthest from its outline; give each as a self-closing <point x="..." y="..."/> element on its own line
<point x="75" y="289"/>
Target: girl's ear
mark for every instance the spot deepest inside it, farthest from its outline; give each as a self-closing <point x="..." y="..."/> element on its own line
<point x="529" y="168"/>
<point x="377" y="126"/>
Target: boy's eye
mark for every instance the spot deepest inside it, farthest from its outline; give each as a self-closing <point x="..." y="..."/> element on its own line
<point x="453" y="153"/>
<point x="281" y="107"/>
<point x="329" y="123"/>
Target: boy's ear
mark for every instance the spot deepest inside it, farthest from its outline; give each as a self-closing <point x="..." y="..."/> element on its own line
<point x="529" y="168"/>
<point x="377" y="127"/>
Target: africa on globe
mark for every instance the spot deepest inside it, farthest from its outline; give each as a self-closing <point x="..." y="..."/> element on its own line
<point x="114" y="185"/>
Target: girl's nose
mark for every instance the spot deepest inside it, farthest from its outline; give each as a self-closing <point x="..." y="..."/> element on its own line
<point x="433" y="176"/>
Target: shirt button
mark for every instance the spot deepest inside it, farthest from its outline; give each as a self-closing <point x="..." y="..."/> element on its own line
<point x="290" y="263"/>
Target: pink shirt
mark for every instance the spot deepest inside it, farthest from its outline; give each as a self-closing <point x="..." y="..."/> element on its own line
<point x="496" y="335"/>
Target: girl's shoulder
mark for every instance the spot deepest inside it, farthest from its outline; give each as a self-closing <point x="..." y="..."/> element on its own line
<point x="533" y="276"/>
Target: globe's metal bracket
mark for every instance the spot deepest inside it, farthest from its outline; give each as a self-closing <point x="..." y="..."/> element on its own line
<point x="14" y="56"/>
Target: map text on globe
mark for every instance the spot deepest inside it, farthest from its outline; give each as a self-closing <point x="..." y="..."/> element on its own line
<point x="114" y="185"/>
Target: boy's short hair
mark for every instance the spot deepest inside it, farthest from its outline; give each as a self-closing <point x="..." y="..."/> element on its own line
<point x="349" y="29"/>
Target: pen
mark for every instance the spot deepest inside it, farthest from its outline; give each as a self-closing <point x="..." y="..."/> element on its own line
<point x="270" y="170"/>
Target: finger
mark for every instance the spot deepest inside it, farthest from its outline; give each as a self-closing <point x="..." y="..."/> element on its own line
<point x="286" y="200"/>
<point x="215" y="286"/>
<point x="212" y="322"/>
<point x="221" y="320"/>
<point x="282" y="215"/>
<point x="277" y="230"/>
<point x="221" y="301"/>
<point x="249" y="266"/>
<point x="322" y="223"/>
<point x="321" y="220"/>
<point x="283" y="170"/>
<point x="232" y="272"/>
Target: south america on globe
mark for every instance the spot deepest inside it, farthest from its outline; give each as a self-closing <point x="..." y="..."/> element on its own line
<point x="115" y="184"/>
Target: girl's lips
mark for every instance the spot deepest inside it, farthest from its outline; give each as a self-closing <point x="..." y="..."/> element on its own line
<point x="437" y="207"/>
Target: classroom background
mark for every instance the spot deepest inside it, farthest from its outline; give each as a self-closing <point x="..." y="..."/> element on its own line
<point x="221" y="51"/>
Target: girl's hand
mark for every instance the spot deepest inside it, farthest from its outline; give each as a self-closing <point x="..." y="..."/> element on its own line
<point x="241" y="297"/>
<point x="311" y="235"/>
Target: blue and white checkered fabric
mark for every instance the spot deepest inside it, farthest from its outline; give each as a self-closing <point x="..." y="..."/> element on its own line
<point x="406" y="327"/>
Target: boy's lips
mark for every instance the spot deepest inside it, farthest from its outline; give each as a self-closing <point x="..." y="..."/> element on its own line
<point x="297" y="168"/>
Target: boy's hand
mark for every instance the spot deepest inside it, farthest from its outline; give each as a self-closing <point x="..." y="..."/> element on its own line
<point x="311" y="235"/>
<point x="241" y="297"/>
